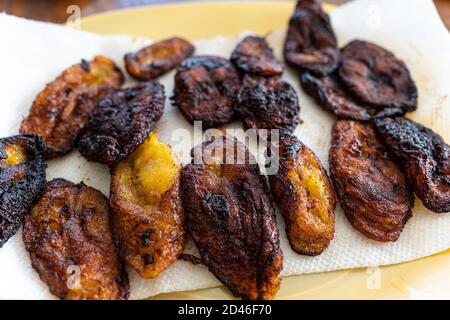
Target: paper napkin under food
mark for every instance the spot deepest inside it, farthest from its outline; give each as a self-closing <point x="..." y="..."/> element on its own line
<point x="34" y="53"/>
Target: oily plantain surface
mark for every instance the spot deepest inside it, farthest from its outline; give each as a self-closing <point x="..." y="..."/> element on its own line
<point x="230" y="216"/>
<point x="157" y="59"/>
<point x="305" y="196"/>
<point x="121" y="122"/>
<point x="425" y="159"/>
<point x="148" y="215"/>
<point x="61" y="110"/>
<point x="71" y="246"/>
<point x="22" y="180"/>
<point x="371" y="187"/>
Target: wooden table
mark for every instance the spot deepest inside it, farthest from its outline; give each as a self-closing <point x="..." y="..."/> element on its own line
<point x="56" y="10"/>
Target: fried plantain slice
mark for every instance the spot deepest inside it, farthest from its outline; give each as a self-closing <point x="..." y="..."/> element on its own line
<point x="22" y="180"/>
<point x="310" y="41"/>
<point x="205" y="90"/>
<point x="230" y="215"/>
<point x="329" y="93"/>
<point x="121" y="122"/>
<point x="71" y="246"/>
<point x="157" y="59"/>
<point x="62" y="109"/>
<point x="425" y="159"/>
<point x="253" y="55"/>
<point x="267" y="103"/>
<point x="148" y="215"/>
<point x="372" y="189"/>
<point x="305" y="196"/>
<point x="377" y="77"/>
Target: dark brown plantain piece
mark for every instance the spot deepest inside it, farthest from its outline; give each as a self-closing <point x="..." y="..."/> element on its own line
<point x="310" y="41"/>
<point x="71" y="246"/>
<point x="22" y="180"/>
<point x="425" y="159"/>
<point x="329" y="93"/>
<point x="157" y="59"/>
<point x="372" y="189"/>
<point x="62" y="109"/>
<point x="121" y="122"/>
<point x="267" y="103"/>
<point x="230" y="215"/>
<point x="377" y="77"/>
<point x="148" y="215"/>
<point x="205" y="90"/>
<point x="305" y="196"/>
<point x="253" y="55"/>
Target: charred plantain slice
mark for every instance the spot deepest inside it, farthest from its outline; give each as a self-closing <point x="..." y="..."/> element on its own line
<point x="22" y="180"/>
<point x="148" y="215"/>
<point x="121" y="122"/>
<point x="372" y="189"/>
<point x="310" y="41"/>
<point x="206" y="89"/>
<point x="267" y="103"/>
<point x="157" y="59"/>
<point x="253" y="55"/>
<point x="71" y="246"/>
<point x="62" y="109"/>
<point x="425" y="159"/>
<point x="230" y="215"/>
<point x="377" y="77"/>
<point x="305" y="196"/>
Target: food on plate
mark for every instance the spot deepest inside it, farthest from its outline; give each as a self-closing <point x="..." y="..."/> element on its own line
<point x="157" y="59"/>
<point x="71" y="246"/>
<point x="305" y="196"/>
<point x="330" y="94"/>
<point x="148" y="215"/>
<point x="267" y="103"/>
<point x="121" y="122"/>
<point x="62" y="109"/>
<point x="370" y="185"/>
<point x="377" y="77"/>
<point x="253" y="55"/>
<point x="22" y="180"/>
<point x="229" y="214"/>
<point x="310" y="42"/>
<point x="424" y="157"/>
<point x="205" y="90"/>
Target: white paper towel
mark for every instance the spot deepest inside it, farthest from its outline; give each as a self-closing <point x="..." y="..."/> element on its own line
<point x="34" y="53"/>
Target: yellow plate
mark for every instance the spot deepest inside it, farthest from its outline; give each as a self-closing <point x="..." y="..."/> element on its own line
<point x="424" y="278"/>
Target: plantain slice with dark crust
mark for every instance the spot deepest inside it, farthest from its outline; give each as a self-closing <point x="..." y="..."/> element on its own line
<point x="267" y="103"/>
<point x="62" y="109"/>
<point x="371" y="187"/>
<point x="22" y="180"/>
<point x="121" y="122"/>
<point x="376" y="76"/>
<point x="230" y="215"/>
<point x="425" y="159"/>
<point x="206" y="89"/>
<point x="253" y="55"/>
<point x="157" y="59"/>
<point x="148" y="215"/>
<point x="305" y="196"/>
<point x="71" y="246"/>
<point x="310" y="41"/>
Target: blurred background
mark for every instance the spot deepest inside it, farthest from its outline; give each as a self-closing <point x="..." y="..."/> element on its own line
<point x="56" y="10"/>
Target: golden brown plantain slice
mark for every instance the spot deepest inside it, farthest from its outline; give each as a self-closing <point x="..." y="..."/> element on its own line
<point x="62" y="109"/>
<point x="305" y="195"/>
<point x="371" y="187"/>
<point x="148" y="215"/>
<point x="71" y="246"/>
<point x="230" y="215"/>
<point x="157" y="59"/>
